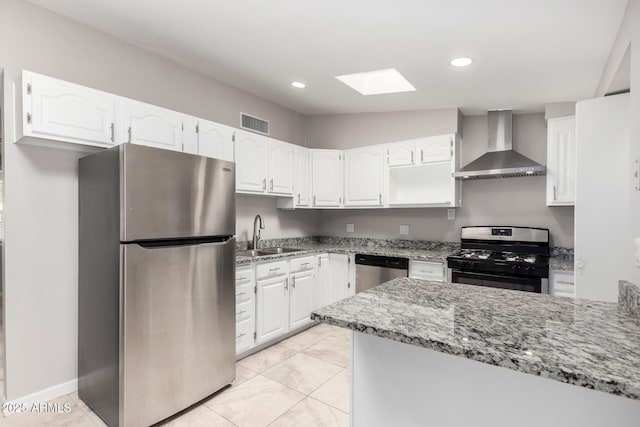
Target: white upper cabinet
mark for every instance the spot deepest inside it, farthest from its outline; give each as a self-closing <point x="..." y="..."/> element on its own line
<point x="363" y="176"/>
<point x="280" y="159"/>
<point x="434" y="149"/>
<point x="251" y="162"/>
<point x="263" y="165"/>
<point x="401" y="153"/>
<point x="214" y="140"/>
<point x="326" y="168"/>
<point x="428" y="180"/>
<point x="561" y="161"/>
<point x="302" y="177"/>
<point x="53" y="109"/>
<point x="158" y="127"/>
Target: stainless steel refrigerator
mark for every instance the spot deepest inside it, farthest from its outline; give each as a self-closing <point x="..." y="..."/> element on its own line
<point x="156" y="320"/>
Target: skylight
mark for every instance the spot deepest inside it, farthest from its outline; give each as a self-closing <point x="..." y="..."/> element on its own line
<point x="377" y="82"/>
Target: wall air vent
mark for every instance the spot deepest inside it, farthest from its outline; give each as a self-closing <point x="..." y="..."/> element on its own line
<point x="254" y="124"/>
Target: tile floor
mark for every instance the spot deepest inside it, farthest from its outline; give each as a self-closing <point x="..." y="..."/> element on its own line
<point x="302" y="381"/>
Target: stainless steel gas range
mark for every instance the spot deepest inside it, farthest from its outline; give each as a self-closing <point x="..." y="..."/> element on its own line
<point x="502" y="257"/>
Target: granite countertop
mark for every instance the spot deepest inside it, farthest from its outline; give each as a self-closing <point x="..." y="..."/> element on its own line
<point x="313" y="248"/>
<point x="585" y="343"/>
<point x="561" y="263"/>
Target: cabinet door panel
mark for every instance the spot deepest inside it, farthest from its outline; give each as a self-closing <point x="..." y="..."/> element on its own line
<point x="401" y="153"/>
<point x="322" y="291"/>
<point x="302" y="183"/>
<point x="301" y="299"/>
<point x="280" y="168"/>
<point x="434" y="149"/>
<point x="272" y="308"/>
<point x="152" y="126"/>
<point x="561" y="161"/>
<point x="251" y="162"/>
<point x="327" y="177"/>
<point x="339" y="266"/>
<point x="363" y="176"/>
<point x="70" y="112"/>
<point x="215" y="140"/>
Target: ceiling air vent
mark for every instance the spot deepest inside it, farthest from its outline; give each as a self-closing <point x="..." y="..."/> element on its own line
<point x="255" y="124"/>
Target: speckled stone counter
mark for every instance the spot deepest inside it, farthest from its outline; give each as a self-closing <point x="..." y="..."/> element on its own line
<point x="629" y="298"/>
<point x="561" y="263"/>
<point x="314" y="248"/>
<point x="585" y="343"/>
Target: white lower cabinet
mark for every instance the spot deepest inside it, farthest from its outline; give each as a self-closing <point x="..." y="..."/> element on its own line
<point x="339" y="277"/>
<point x="322" y="291"/>
<point x="272" y="300"/>
<point x="562" y="284"/>
<point x="245" y="309"/>
<point x="427" y="270"/>
<point x="301" y="292"/>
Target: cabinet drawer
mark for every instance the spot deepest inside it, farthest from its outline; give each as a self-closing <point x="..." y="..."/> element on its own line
<point x="563" y="284"/>
<point x="244" y="311"/>
<point x="302" y="264"/>
<point x="426" y="270"/>
<point x="244" y="336"/>
<point x="244" y="275"/>
<point x="272" y="269"/>
<point x="244" y="292"/>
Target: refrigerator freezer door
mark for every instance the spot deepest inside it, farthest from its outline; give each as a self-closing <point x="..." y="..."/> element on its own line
<point x="167" y="194"/>
<point x="178" y="323"/>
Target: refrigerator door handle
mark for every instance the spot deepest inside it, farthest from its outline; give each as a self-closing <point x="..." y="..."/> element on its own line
<point x="170" y="243"/>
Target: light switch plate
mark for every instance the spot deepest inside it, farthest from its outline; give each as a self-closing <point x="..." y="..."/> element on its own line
<point x="404" y="230"/>
<point x="451" y="214"/>
<point x="349" y="228"/>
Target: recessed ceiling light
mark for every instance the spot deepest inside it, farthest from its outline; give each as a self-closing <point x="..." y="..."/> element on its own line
<point x="377" y="82"/>
<point x="298" y="85"/>
<point x="461" y="62"/>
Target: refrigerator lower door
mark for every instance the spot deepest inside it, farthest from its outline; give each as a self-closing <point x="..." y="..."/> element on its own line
<point x="178" y="327"/>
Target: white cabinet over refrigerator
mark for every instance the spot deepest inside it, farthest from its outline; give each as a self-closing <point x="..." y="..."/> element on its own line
<point x="214" y="140"/>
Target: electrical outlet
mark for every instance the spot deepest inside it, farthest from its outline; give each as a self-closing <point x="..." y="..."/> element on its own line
<point x="451" y="214"/>
<point x="404" y="229"/>
<point x="349" y="228"/>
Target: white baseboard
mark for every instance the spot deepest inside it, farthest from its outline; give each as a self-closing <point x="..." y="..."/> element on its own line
<point x="42" y="395"/>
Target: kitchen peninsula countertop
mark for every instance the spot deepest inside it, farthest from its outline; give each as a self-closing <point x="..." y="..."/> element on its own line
<point x="585" y="343"/>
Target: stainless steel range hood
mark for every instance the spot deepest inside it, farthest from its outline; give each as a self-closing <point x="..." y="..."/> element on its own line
<point x="500" y="161"/>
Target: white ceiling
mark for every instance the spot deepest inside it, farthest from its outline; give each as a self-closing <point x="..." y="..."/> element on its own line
<point x="526" y="53"/>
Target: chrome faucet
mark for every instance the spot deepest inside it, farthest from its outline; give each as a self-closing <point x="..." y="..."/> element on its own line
<point x="256" y="230"/>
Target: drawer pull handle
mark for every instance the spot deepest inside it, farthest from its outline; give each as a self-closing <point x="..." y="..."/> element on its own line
<point x="241" y="312"/>
<point x="240" y="294"/>
<point x="274" y="269"/>
<point x="565" y="283"/>
<point x="240" y="336"/>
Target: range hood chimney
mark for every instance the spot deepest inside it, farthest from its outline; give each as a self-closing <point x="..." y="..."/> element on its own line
<point x="500" y="160"/>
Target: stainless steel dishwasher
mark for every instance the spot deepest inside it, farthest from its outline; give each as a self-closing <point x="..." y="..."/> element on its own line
<point x="372" y="270"/>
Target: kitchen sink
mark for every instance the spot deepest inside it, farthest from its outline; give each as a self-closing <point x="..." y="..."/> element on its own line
<point x="253" y="253"/>
<point x="280" y="250"/>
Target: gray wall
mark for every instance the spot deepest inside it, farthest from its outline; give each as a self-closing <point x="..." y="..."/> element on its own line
<point x="513" y="201"/>
<point x="278" y="223"/>
<point x="629" y="38"/>
<point x="40" y="271"/>
<point x="357" y="130"/>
